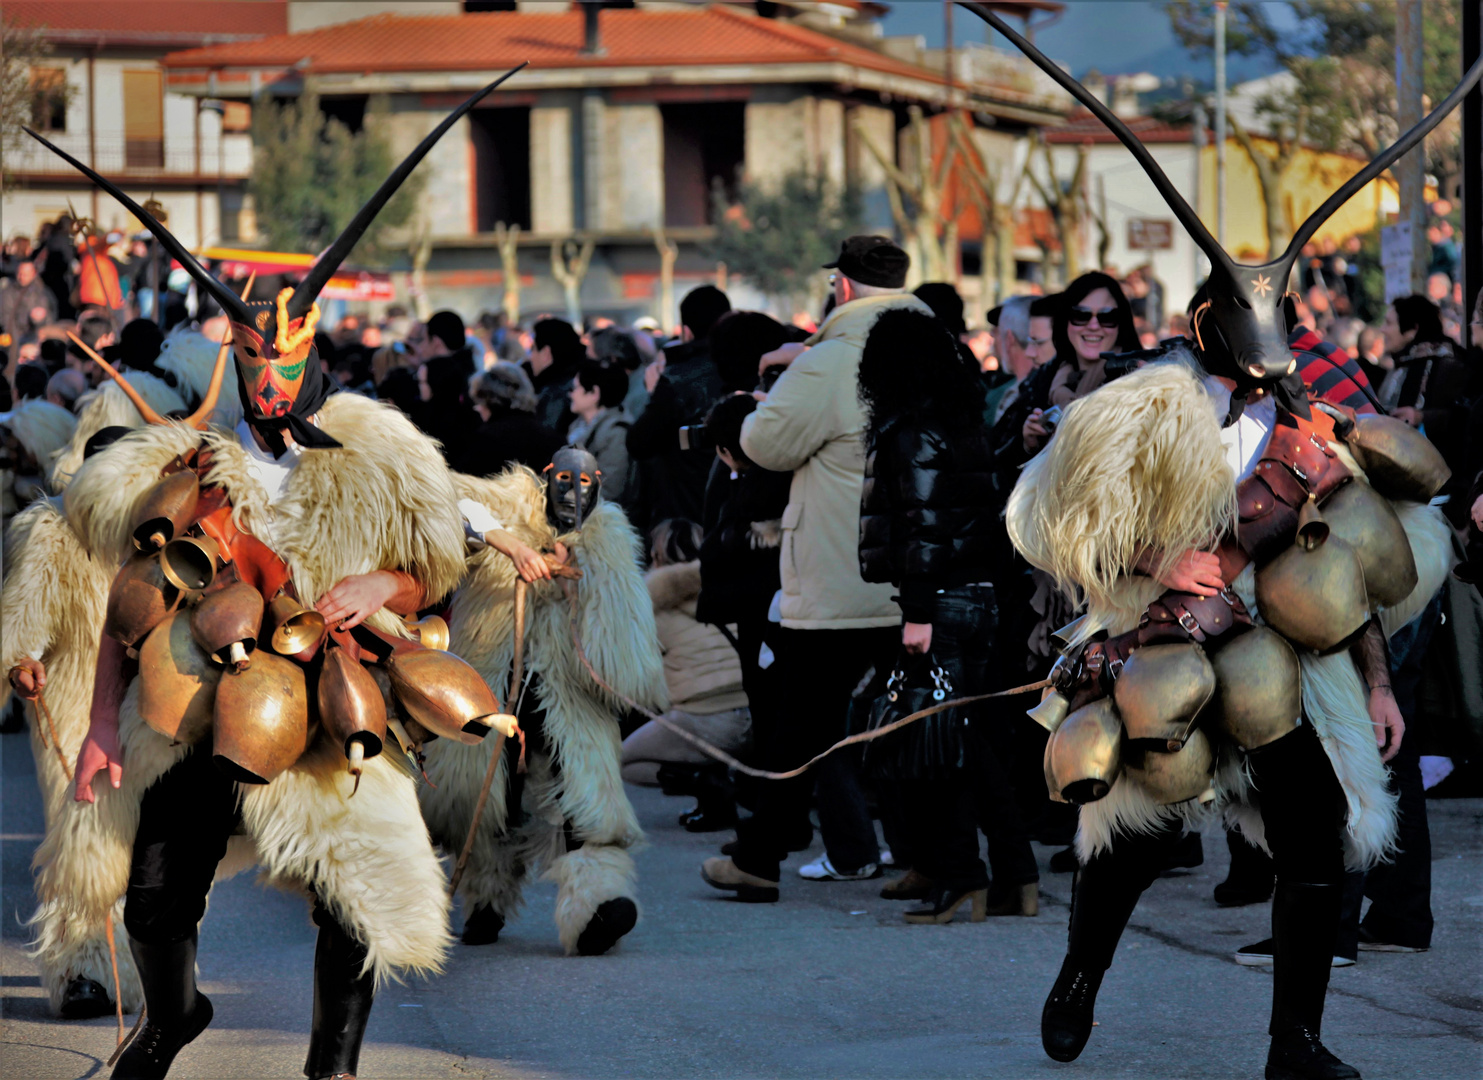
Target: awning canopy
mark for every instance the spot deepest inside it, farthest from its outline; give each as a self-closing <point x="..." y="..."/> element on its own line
<point x="348" y="283"/>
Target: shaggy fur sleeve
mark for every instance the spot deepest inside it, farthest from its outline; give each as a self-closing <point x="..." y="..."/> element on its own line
<point x="614" y="609"/>
<point x="100" y="500"/>
<point x="29" y="603"/>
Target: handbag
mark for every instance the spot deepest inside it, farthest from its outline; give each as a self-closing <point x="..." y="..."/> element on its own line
<point x="925" y="749"/>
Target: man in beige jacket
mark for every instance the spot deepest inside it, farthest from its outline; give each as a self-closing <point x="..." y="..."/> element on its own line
<point x="834" y="625"/>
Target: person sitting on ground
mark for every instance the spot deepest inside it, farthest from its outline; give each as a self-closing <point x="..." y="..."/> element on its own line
<point x="704" y="678"/>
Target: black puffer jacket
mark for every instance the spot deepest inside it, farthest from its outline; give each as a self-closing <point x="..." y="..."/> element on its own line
<point x="929" y="516"/>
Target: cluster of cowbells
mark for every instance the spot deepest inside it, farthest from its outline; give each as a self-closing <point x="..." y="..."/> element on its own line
<point x="264" y="675"/>
<point x="1171" y="704"/>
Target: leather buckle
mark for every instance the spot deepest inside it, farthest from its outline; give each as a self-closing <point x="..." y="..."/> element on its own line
<point x="1299" y="473"/>
<point x="1114" y="669"/>
<point x="1191" y="626"/>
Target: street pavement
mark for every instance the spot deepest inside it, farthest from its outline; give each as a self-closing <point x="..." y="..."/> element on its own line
<point x="827" y="983"/>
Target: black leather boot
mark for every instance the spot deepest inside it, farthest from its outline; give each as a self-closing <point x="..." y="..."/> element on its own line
<point x="85" y="999"/>
<point x="483" y="925"/>
<point x="612" y="919"/>
<point x="1103" y="896"/>
<point x="1066" y="1020"/>
<point x="1305" y="923"/>
<point x="342" y="1002"/>
<point x="1251" y="875"/>
<point x="176" y="1011"/>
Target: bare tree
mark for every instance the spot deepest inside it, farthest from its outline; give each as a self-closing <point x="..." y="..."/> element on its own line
<point x="420" y="248"/>
<point x="928" y="226"/>
<point x="996" y="271"/>
<point x="669" y="251"/>
<point x="570" y="259"/>
<point x="1272" y="167"/>
<point x="1065" y="201"/>
<point x="508" y="239"/>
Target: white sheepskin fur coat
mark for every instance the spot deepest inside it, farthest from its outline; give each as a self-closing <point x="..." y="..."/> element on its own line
<point x="51" y="608"/>
<point x="384" y="501"/>
<point x="1139" y="462"/>
<point x="579" y="783"/>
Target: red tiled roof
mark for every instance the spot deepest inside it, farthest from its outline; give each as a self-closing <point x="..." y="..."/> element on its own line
<point x="481" y="42"/>
<point x="1083" y="127"/>
<point x="176" y="21"/>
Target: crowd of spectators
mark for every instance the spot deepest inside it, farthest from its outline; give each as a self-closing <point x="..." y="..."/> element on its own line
<point x="824" y="514"/>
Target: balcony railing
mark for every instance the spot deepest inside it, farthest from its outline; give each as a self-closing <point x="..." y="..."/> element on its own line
<point x="120" y="156"/>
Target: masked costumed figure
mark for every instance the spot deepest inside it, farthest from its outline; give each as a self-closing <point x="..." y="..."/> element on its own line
<point x="51" y="617"/>
<point x="1243" y="557"/>
<point x="564" y="810"/>
<point x="31" y="436"/>
<point x="53" y="602"/>
<point x="253" y="666"/>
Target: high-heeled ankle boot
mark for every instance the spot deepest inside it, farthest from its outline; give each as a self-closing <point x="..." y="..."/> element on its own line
<point x="943" y="903"/>
<point x="1066" y="1019"/>
<point x="342" y="1002"/>
<point x="1016" y="900"/>
<point x="1305" y="920"/>
<point x="176" y="1012"/>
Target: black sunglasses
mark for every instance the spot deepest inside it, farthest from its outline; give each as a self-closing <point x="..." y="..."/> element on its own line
<point x="1080" y="316"/>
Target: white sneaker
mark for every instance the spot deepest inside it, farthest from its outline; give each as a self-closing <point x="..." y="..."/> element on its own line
<point x="887" y="859"/>
<point x="821" y="869"/>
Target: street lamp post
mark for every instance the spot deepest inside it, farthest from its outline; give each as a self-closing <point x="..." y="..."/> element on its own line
<point x="1220" y="122"/>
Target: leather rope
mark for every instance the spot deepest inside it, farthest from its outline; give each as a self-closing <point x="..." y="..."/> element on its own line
<point x="499" y="748"/>
<point x="118" y="993"/>
<point x="39" y="704"/>
<point x="720" y="755"/>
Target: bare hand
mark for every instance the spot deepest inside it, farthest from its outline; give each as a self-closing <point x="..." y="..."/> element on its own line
<point x="530" y="564"/>
<point x="652" y="373"/>
<point x="916" y="638"/>
<point x="357" y="598"/>
<point x="1385" y="714"/>
<point x="1034" y="433"/>
<point x="1477" y="514"/>
<point x="28" y="678"/>
<point x="782" y="356"/>
<point x="1195" y="572"/>
<point x="1408" y="414"/>
<point x="99" y="751"/>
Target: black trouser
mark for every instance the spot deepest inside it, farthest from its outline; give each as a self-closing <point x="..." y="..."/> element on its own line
<point x="1303" y="811"/>
<point x="944" y="815"/>
<point x="185" y="820"/>
<point x="812" y="679"/>
<point x="1400" y="889"/>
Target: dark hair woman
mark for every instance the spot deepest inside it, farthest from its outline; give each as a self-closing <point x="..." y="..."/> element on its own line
<point x="928" y="524"/>
<point x="1429" y="381"/>
<point x="601" y="424"/>
<point x="1094" y="318"/>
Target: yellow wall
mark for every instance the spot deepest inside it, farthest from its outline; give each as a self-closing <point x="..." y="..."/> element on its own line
<point x="1310" y="180"/>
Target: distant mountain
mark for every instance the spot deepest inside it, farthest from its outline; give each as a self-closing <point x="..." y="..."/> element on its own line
<point x="1117" y="37"/>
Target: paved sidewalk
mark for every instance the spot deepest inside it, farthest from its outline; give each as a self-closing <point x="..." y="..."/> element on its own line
<point x="829" y="982"/>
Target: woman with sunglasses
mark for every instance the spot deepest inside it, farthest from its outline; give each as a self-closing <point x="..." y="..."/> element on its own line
<point x="1095" y="318"/>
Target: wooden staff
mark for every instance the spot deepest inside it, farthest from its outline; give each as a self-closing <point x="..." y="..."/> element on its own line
<point x="513" y="696"/>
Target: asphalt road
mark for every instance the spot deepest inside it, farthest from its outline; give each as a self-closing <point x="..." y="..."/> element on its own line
<point x="827" y="983"/>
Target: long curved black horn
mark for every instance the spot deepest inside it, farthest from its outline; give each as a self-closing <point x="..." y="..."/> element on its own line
<point x="223" y="295"/>
<point x="1182" y="210"/>
<point x="320" y="274"/>
<point x="1385" y="160"/>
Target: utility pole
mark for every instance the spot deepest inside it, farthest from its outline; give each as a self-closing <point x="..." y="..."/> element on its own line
<point x="947" y="18"/>
<point x="1472" y="164"/>
<point x="1220" y="121"/>
<point x="1410" y="171"/>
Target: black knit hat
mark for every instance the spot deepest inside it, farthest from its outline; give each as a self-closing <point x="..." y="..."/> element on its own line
<point x="872" y="260"/>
